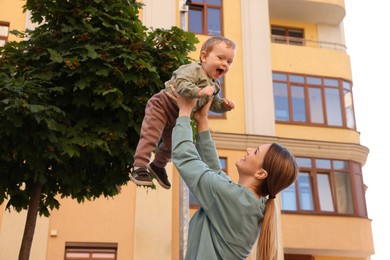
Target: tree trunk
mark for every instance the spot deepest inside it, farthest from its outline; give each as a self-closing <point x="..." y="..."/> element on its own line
<point x="31" y="221"/>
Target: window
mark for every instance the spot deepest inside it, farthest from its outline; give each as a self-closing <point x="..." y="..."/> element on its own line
<point x="292" y="36"/>
<point x="221" y="95"/>
<point x="205" y="17"/>
<point x="325" y="186"/>
<point x="90" y="251"/>
<point x="193" y="202"/>
<point x="304" y="99"/>
<point x="4" y="31"/>
<point x="298" y="257"/>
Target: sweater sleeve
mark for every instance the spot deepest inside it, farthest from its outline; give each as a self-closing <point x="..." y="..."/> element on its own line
<point x="207" y="150"/>
<point x="198" y="176"/>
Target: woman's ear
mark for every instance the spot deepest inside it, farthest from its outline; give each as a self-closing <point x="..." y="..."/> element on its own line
<point x="262" y="174"/>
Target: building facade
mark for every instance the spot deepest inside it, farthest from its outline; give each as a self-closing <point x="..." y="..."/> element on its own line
<point x="292" y="83"/>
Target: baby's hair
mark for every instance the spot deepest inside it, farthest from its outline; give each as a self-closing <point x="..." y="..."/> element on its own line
<point x="208" y="45"/>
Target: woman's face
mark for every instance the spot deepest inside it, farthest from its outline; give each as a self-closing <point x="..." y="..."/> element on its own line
<point x="253" y="160"/>
<point x="217" y="63"/>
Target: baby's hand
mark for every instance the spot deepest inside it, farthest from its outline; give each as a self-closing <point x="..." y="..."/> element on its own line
<point x="206" y="91"/>
<point x="229" y="104"/>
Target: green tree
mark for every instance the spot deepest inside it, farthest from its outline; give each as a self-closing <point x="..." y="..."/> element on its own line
<point x="72" y="99"/>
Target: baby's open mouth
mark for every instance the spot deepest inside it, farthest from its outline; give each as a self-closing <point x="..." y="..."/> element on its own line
<point x="220" y="71"/>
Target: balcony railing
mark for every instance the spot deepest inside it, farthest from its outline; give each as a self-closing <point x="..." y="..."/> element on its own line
<point x="309" y="43"/>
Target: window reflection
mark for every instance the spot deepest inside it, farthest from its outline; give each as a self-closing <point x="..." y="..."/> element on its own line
<point x="298" y="104"/>
<point x="333" y="107"/>
<point x="324" y="185"/>
<point x="195" y="24"/>
<point x="343" y="193"/>
<point x="214" y="21"/>
<point x="313" y="100"/>
<point x="305" y="195"/>
<point x="315" y="104"/>
<point x="324" y="192"/>
<point x="205" y="17"/>
<point x="281" y="102"/>
<point x="289" y="201"/>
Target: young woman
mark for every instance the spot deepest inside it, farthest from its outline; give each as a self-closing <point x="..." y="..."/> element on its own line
<point x="232" y="215"/>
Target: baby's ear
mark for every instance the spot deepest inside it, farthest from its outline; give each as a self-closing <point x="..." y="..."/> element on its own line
<point x="203" y="56"/>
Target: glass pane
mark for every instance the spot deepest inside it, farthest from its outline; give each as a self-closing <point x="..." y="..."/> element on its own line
<point x="288" y="200"/>
<point x="347" y="85"/>
<point x="323" y="164"/>
<point x="295" y="33"/>
<point x="281" y="102"/>
<point x="223" y="163"/>
<point x="296" y="37"/>
<point x="305" y="194"/>
<point x="214" y="21"/>
<point x="298" y="104"/>
<point x="325" y="193"/>
<point x="333" y="107"/>
<point x="331" y="82"/>
<point x="214" y="2"/>
<point x="349" y="112"/>
<point x="195" y="21"/>
<point x="2" y="42"/>
<point x="77" y="256"/>
<point x="296" y="78"/>
<point x="314" y="81"/>
<point x="104" y="256"/>
<point x="340" y="165"/>
<point x="4" y="30"/>
<point x="279" y="76"/>
<point x="278" y="31"/>
<point x="315" y="104"/>
<point x="343" y="193"/>
<point x="303" y="162"/>
<point x="197" y="1"/>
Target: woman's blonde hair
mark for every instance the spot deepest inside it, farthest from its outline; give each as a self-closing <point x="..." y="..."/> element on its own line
<point x="208" y="45"/>
<point x="282" y="171"/>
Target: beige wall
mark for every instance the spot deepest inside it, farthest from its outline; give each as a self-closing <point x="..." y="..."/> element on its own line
<point x="11" y="11"/>
<point x="327" y="235"/>
<point x="11" y="233"/>
<point x="318" y="133"/>
<point x="110" y="220"/>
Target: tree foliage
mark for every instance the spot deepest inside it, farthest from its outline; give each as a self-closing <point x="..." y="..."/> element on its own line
<point x="72" y="97"/>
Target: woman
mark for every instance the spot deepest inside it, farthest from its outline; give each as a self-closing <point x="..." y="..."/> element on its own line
<point x="228" y="222"/>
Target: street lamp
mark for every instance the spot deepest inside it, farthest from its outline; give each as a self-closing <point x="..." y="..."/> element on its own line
<point x="184" y="194"/>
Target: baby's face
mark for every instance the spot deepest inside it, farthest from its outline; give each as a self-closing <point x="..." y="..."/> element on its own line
<point x="217" y="63"/>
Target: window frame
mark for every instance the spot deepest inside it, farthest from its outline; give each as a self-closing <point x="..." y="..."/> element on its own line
<point x="90" y="247"/>
<point x="285" y="38"/>
<point x="2" y="37"/>
<point x="355" y="178"/>
<point x="204" y="6"/>
<point x="342" y="91"/>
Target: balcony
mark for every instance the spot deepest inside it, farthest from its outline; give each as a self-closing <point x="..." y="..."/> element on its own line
<point x="308" y="43"/>
<point x="329" y="12"/>
<point x="327" y="235"/>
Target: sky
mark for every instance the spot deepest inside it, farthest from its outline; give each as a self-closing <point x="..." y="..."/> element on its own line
<point x="368" y="45"/>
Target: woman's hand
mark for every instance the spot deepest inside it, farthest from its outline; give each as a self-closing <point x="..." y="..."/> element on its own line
<point x="201" y="115"/>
